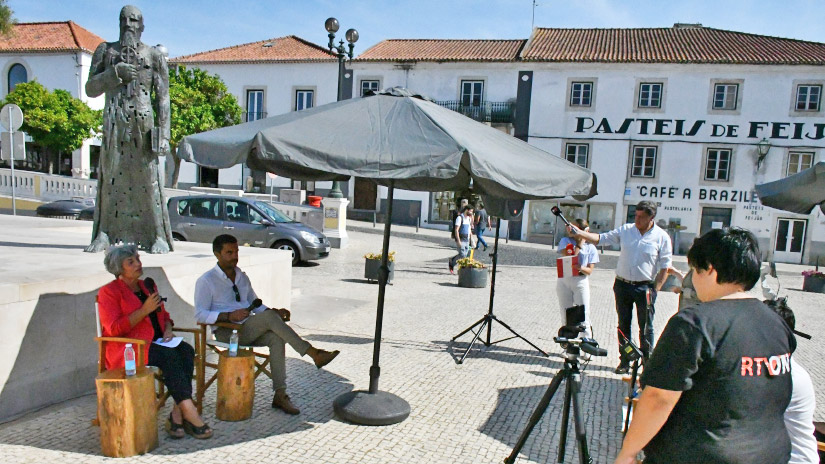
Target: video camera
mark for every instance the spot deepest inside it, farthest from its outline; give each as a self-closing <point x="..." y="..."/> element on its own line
<point x="569" y="339"/>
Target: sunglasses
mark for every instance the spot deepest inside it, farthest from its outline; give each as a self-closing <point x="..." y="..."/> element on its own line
<point x="237" y="293"/>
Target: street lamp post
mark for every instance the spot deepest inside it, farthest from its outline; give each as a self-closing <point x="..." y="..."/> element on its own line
<point x="342" y="53"/>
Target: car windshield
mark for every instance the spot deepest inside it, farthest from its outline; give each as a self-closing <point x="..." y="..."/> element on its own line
<point x="273" y="213"/>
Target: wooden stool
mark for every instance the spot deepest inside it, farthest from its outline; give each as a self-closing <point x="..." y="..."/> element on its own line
<point x="126" y="408"/>
<point x="236" y="386"/>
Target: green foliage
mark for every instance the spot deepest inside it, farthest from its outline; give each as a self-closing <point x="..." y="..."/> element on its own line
<point x="55" y="120"/>
<point x="7" y="20"/>
<point x="199" y="102"/>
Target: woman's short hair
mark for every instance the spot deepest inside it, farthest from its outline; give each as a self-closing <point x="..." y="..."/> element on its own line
<point x="733" y="252"/>
<point x="116" y="255"/>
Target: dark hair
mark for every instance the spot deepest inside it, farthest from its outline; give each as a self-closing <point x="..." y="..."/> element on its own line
<point x="221" y="240"/>
<point x="466" y="208"/>
<point x="733" y="252"/>
<point x="648" y="207"/>
<point x="780" y="306"/>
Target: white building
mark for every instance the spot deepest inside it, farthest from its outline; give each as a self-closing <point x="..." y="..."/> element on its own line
<point x="58" y="55"/>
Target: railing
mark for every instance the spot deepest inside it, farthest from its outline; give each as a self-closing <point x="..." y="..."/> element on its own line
<point x="39" y="186"/>
<point x="498" y="112"/>
<point x="253" y="116"/>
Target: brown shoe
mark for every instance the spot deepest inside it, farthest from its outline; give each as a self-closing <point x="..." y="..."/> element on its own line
<point x="282" y="402"/>
<point x="324" y="357"/>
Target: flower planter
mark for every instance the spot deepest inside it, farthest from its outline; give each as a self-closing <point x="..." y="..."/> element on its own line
<point x="472" y="277"/>
<point x="815" y="284"/>
<point x="371" y="267"/>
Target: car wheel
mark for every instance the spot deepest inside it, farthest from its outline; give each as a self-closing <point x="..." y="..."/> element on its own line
<point x="288" y="246"/>
<point x="178" y="237"/>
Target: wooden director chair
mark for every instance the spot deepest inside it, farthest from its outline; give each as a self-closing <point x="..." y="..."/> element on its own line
<point x="161" y="394"/>
<point x="205" y="342"/>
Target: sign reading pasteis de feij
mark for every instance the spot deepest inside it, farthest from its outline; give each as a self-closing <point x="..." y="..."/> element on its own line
<point x="702" y="128"/>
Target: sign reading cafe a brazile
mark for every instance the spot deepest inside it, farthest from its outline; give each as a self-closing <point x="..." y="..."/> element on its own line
<point x="701" y="127"/>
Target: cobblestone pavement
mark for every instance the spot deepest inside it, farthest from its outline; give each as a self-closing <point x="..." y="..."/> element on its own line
<point x="469" y="413"/>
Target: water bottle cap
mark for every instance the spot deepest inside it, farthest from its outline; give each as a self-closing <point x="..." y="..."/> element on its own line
<point x="234" y="331"/>
<point x="128" y="345"/>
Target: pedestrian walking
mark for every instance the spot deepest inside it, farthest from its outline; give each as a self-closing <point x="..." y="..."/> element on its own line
<point x="462" y="228"/>
<point x="482" y="223"/>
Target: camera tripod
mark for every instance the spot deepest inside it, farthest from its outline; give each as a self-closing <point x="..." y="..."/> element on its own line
<point x="572" y="375"/>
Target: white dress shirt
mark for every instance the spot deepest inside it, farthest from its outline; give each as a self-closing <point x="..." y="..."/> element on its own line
<point x="214" y="295"/>
<point x="642" y="256"/>
<point x="799" y="417"/>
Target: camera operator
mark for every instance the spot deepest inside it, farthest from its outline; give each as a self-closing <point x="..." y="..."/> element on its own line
<point x="719" y="380"/>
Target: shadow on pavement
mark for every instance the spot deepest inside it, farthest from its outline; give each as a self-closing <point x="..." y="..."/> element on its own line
<point x="41" y="245"/>
<point x="343" y="339"/>
<point x="494" y="352"/>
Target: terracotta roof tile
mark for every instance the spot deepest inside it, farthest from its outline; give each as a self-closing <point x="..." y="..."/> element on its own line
<point x="49" y="37"/>
<point x="282" y="49"/>
<point x="443" y="50"/>
<point x="683" y="43"/>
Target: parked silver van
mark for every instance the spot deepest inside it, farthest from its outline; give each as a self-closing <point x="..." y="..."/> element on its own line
<point x="252" y="222"/>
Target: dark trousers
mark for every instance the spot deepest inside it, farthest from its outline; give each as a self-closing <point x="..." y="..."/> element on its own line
<point x="177" y="365"/>
<point x="626" y="296"/>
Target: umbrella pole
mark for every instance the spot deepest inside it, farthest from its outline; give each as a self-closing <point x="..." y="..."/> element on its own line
<point x="487" y="320"/>
<point x="374" y="407"/>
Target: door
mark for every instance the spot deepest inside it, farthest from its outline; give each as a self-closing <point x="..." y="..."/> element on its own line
<point x="204" y="221"/>
<point x="366" y="192"/>
<point x="790" y="238"/>
<point x="714" y="218"/>
<point x="207" y="177"/>
<point x="244" y="223"/>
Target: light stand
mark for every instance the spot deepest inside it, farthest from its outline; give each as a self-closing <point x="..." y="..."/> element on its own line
<point x="351" y="35"/>
<point x="489" y="318"/>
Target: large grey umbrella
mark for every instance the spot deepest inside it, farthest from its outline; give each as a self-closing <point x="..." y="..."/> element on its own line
<point x="397" y="139"/>
<point x="799" y="193"/>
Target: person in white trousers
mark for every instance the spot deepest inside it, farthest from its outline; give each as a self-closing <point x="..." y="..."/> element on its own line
<point x="573" y="284"/>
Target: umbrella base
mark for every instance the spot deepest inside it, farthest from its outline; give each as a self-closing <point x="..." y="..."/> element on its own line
<point x="365" y="408"/>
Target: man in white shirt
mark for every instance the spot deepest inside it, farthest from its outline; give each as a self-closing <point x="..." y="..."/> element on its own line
<point x="224" y="294"/>
<point x="646" y="254"/>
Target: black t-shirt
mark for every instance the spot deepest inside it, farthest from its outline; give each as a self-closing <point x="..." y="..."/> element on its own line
<point x="730" y="359"/>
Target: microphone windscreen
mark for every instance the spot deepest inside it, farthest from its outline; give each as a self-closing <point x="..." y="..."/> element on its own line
<point x="150" y="284"/>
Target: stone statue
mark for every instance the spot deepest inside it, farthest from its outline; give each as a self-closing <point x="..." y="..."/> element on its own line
<point x="131" y="205"/>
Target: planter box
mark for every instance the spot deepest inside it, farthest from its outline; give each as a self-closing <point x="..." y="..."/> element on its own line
<point x="813" y="284"/>
<point x="371" y="267"/>
<point x="472" y="277"/>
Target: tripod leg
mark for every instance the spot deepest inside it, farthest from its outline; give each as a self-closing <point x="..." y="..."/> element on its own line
<point x="581" y="434"/>
<point x="631" y="395"/>
<point x="565" y="419"/>
<point x="519" y="336"/>
<point x="484" y="322"/>
<point x="471" y="327"/>
<point x="536" y="416"/>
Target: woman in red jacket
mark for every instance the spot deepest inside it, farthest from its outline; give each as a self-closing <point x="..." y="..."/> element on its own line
<point x="129" y="309"/>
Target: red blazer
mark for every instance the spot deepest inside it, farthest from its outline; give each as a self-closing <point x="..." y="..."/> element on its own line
<point x="116" y="302"/>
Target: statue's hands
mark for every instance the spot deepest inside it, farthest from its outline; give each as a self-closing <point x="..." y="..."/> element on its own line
<point x="126" y="72"/>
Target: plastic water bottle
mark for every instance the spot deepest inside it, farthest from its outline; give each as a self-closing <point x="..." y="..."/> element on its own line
<point x="233" y="344"/>
<point x="129" y="357"/>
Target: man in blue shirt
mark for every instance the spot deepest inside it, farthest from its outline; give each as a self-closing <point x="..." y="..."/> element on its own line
<point x="646" y="254"/>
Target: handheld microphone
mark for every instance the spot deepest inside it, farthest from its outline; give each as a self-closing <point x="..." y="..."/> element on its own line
<point x="255" y="304"/>
<point x="150" y="285"/>
<point x="557" y="212"/>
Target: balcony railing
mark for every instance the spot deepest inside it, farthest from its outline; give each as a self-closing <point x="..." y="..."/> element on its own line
<point x="499" y="112"/>
<point x="253" y="116"/>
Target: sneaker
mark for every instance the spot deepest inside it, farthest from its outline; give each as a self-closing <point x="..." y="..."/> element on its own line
<point x="622" y="369"/>
<point x="450" y="266"/>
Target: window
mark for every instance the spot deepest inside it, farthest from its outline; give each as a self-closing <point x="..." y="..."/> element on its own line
<point x="799" y="162"/>
<point x="472" y="93"/>
<point x="577" y="153"/>
<point x="17" y="75"/>
<point x="237" y="211"/>
<point x="650" y="95"/>
<point x="366" y="86"/>
<point x="807" y="97"/>
<point x="254" y="105"/>
<point x="581" y="93"/>
<point x="205" y="208"/>
<point x="718" y="164"/>
<point x="644" y="162"/>
<point x="304" y="99"/>
<point x="724" y="96"/>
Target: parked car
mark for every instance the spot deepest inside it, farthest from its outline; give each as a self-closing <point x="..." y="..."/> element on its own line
<point x="256" y="223"/>
<point x="88" y="214"/>
<point x="67" y="209"/>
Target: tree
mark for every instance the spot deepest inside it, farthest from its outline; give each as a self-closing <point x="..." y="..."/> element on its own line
<point x="199" y="102"/>
<point x="7" y="20"/>
<point x="55" y="120"/>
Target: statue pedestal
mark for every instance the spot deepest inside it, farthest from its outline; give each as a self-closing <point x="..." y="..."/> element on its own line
<point x="335" y="221"/>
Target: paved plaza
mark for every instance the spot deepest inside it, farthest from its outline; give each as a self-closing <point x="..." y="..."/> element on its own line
<point x="469" y="413"/>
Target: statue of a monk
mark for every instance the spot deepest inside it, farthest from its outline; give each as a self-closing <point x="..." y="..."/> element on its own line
<point x="131" y="205"/>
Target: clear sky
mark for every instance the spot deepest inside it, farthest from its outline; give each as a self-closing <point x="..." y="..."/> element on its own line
<point x="191" y="26"/>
